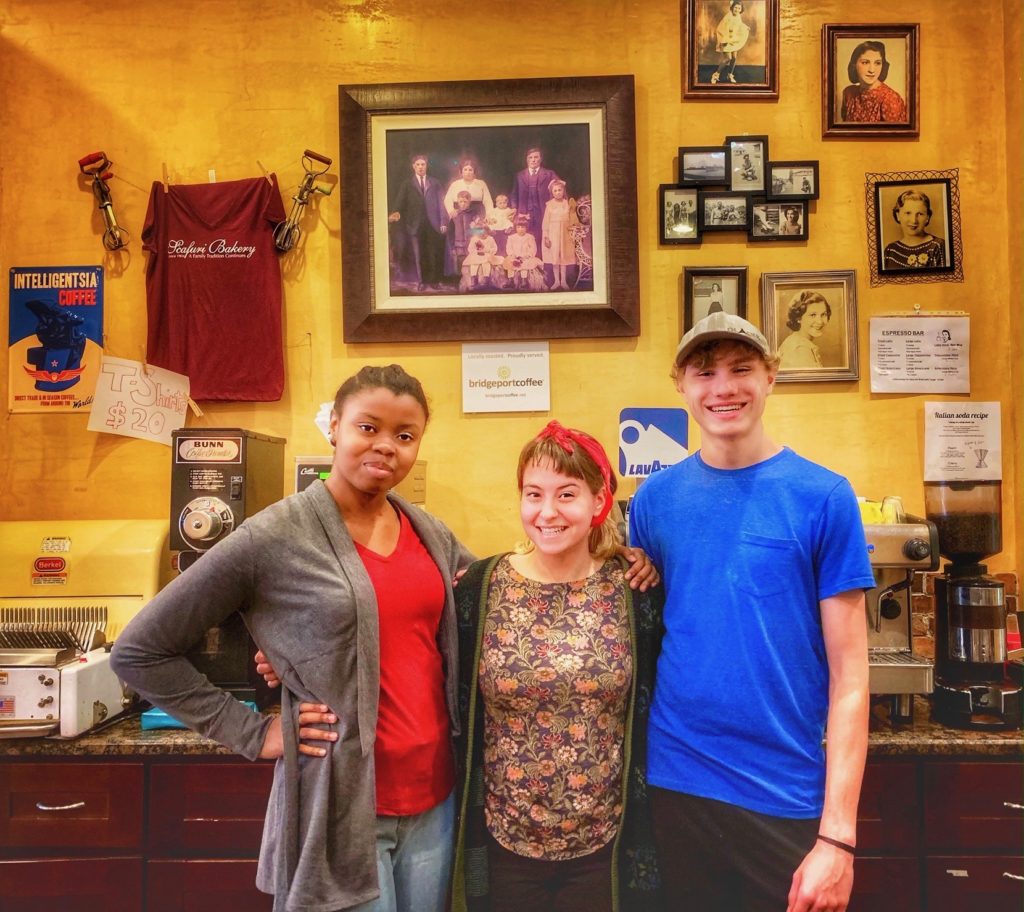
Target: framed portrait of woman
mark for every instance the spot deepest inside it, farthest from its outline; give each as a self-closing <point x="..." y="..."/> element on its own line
<point x="810" y="319"/>
<point x="870" y="80"/>
<point x="771" y="221"/>
<point x="730" y="48"/>
<point x="710" y="289"/>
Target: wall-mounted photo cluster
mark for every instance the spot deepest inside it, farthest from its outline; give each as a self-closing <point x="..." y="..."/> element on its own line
<point x="736" y="187"/>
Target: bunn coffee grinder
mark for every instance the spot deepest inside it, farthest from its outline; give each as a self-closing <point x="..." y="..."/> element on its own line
<point x="972" y="689"/>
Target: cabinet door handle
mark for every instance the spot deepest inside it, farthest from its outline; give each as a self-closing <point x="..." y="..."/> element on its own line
<point x="1013" y="806"/>
<point x="74" y="806"/>
<point x="1012" y="876"/>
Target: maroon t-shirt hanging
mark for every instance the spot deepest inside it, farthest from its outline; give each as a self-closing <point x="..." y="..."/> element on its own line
<point x="213" y="287"/>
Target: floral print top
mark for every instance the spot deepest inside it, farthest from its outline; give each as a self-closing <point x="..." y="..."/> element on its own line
<point x="556" y="669"/>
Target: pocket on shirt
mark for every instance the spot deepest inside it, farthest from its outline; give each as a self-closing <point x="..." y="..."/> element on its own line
<point x="765" y="567"/>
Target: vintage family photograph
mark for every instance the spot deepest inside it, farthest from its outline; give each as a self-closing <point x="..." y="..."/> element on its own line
<point x="870" y="80"/>
<point x="810" y="319"/>
<point x="730" y="48"/>
<point x="678" y="218"/>
<point x="793" y="180"/>
<point x="723" y="210"/>
<point x="771" y="221"/>
<point x="747" y="161"/>
<point x="711" y="289"/>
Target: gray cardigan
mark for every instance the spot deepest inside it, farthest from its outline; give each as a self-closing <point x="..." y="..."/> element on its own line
<point x="304" y="594"/>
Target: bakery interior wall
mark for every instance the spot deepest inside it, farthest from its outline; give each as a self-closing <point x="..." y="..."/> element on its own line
<point x="228" y="86"/>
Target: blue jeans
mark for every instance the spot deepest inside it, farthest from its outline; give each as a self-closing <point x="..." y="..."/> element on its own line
<point x="414" y="861"/>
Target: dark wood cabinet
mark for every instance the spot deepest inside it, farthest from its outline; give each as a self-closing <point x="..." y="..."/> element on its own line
<point x="204" y="886"/>
<point x="963" y="884"/>
<point x="82" y="884"/>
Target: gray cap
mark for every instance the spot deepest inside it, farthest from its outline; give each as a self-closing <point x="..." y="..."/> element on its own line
<point x="721" y="325"/>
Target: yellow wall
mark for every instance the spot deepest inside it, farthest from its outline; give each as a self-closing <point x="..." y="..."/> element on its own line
<point x="200" y="85"/>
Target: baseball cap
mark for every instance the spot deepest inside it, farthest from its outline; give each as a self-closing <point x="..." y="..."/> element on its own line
<point x="721" y="325"/>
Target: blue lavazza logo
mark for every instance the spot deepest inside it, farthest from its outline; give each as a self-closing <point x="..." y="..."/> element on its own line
<point x="651" y="439"/>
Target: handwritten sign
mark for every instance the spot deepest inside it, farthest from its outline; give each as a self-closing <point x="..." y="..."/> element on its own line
<point x="137" y="400"/>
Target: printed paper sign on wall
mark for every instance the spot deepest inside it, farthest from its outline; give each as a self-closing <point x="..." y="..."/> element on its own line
<point x="55" y="338"/>
<point x="651" y="439"/>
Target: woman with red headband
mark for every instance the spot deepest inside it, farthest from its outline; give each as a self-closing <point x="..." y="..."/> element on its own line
<point x="557" y="658"/>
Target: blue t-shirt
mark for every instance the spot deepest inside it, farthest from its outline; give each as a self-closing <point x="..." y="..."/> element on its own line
<point x="741" y="694"/>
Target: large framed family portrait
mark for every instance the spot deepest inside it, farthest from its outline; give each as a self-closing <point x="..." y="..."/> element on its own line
<point x="499" y="209"/>
<point x="810" y="319"/>
<point x="870" y="80"/>
<point x="730" y="48"/>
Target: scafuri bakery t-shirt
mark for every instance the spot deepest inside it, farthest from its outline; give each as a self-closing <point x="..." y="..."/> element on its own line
<point x="213" y="287"/>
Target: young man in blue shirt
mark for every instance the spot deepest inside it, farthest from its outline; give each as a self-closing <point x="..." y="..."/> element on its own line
<point x="764" y="562"/>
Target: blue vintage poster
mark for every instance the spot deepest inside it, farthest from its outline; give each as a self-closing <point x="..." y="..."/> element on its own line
<point x="56" y="337"/>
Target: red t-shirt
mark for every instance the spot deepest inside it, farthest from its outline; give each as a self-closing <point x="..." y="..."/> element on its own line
<point x="213" y="287"/>
<point x="415" y="769"/>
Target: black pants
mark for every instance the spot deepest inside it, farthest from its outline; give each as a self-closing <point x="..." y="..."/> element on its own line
<point x="519" y="884"/>
<point x="716" y="857"/>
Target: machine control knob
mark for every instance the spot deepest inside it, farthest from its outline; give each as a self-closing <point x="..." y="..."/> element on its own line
<point x="46" y="701"/>
<point x="205" y="520"/>
<point x="46" y="681"/>
<point x="890" y="609"/>
<point x="917" y="549"/>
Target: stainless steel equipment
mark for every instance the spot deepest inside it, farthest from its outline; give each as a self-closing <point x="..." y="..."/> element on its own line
<point x="898" y="546"/>
<point x="65" y="588"/>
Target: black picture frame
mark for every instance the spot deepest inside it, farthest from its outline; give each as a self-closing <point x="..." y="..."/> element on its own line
<point x="727" y="217"/>
<point x="900" y="204"/>
<point x="789" y="180"/>
<point x="841" y="90"/>
<point x="678" y="221"/>
<point x="703" y="166"/>
<point x="772" y="220"/>
<point x="699" y="292"/>
<point x="706" y="68"/>
<point x="370" y="115"/>
<point x="747" y="163"/>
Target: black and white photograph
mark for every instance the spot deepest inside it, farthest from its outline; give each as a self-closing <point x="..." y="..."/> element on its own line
<point x="914" y="226"/>
<point x="723" y="210"/>
<point x="793" y="180"/>
<point x="701" y="166"/>
<point x="713" y="289"/>
<point x="730" y="48"/>
<point x="747" y="163"/>
<point x="677" y="215"/>
<point x="810" y="319"/>
<point x="771" y="221"/>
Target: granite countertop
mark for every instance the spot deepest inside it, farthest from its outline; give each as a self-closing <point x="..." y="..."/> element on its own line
<point x="124" y="738"/>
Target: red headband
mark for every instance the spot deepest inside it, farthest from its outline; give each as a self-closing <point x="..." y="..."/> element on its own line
<point x="565" y="438"/>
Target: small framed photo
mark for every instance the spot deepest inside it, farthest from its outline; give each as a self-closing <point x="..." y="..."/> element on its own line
<point x="677" y="215"/>
<point x="810" y="319"/>
<point x="730" y="48"/>
<point x="914" y="222"/>
<point x="723" y="210"/>
<point x="703" y="166"/>
<point x="793" y="180"/>
<point x="869" y="80"/>
<point x="747" y="163"/>
<point x="709" y="289"/>
<point x="771" y="221"/>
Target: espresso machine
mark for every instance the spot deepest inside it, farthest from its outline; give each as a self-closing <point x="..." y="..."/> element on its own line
<point x="972" y="689"/>
<point x="899" y="545"/>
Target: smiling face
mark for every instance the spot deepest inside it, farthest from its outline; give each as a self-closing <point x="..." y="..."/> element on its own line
<point x="913" y="217"/>
<point x="377" y="439"/>
<point x="557" y="511"/>
<point x="814" y="320"/>
<point x="869" y="68"/>
<point x="727" y="397"/>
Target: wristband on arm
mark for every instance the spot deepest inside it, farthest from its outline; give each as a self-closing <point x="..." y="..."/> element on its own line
<point x="845" y="846"/>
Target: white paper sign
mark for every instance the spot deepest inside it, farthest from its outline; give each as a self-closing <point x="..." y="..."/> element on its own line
<point x="136" y="400"/>
<point x="497" y="377"/>
<point x="920" y="354"/>
<point x="962" y="441"/>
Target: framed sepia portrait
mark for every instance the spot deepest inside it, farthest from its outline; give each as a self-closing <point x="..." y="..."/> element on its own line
<point x="703" y="166"/>
<point x="730" y="48"/>
<point x="792" y="180"/>
<point x="772" y="221"/>
<point x="677" y="215"/>
<point x="723" y="210"/>
<point x="747" y="162"/>
<point x="494" y="209"/>
<point x="914" y="226"/>
<point x="810" y="320"/>
<point x="869" y="82"/>
<point x="709" y="289"/>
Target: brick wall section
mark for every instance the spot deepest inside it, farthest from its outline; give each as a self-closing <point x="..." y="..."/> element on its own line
<point x="922" y="621"/>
